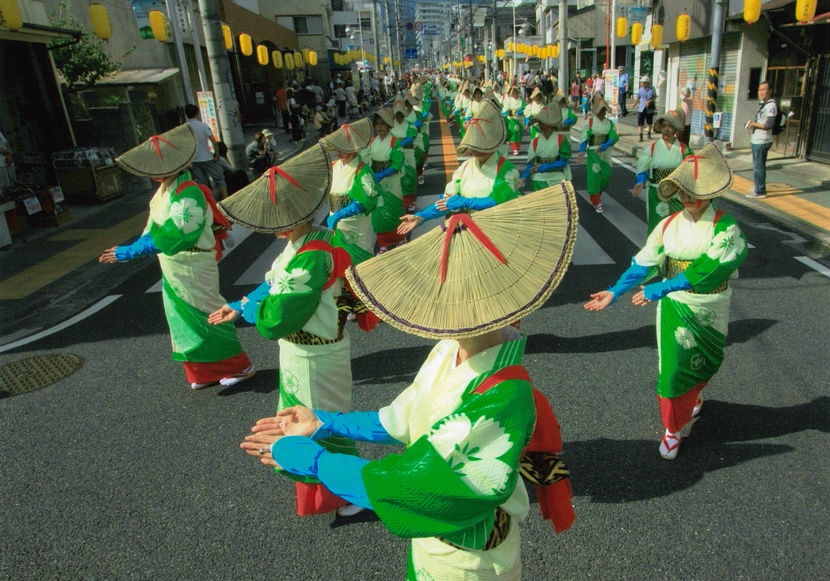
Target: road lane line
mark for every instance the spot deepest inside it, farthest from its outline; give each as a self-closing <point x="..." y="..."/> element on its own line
<point x="587" y="251"/>
<point x="814" y="265"/>
<point x="103" y="303"/>
<point x="630" y="225"/>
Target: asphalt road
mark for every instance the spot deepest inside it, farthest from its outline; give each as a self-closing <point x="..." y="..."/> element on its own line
<point x="119" y="471"/>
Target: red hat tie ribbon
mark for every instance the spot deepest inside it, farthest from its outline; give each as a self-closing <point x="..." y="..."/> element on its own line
<point x="693" y="159"/>
<point x="468" y="222"/>
<point x="155" y="139"/>
<point x="272" y="182"/>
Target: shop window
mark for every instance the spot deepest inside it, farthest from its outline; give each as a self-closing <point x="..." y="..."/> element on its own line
<point x="308" y="24"/>
<point x="337" y="6"/>
<point x="754" y="81"/>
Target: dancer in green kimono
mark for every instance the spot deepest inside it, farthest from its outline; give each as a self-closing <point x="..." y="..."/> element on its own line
<point x="471" y="415"/>
<point x="180" y="232"/>
<point x="549" y="151"/>
<point x="406" y="133"/>
<point x="657" y="161"/>
<point x="696" y="251"/>
<point x="600" y="135"/>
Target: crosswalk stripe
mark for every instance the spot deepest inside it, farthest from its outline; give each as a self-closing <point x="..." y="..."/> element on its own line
<point x="587" y="251"/>
<point x="630" y="225"/>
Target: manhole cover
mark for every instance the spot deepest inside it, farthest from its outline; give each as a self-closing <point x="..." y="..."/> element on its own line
<point x="36" y="372"/>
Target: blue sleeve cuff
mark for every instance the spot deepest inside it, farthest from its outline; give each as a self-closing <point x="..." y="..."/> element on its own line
<point x="583" y="146"/>
<point x="569" y="121"/>
<point x="634" y="275"/>
<point x="642" y="177"/>
<point x="236" y="306"/>
<point x="360" y="426"/>
<point x="144" y="246"/>
<point x="657" y="290"/>
<point x="255" y="297"/>
<point x="430" y="213"/>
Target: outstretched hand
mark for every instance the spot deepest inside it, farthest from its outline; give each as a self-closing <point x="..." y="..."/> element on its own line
<point x="637" y="189"/>
<point x="108" y="257"/>
<point x="408" y="223"/>
<point x="224" y="314"/>
<point x="599" y="301"/>
<point x="640" y="299"/>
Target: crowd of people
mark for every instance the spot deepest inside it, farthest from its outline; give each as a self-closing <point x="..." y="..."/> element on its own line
<point x="471" y="422"/>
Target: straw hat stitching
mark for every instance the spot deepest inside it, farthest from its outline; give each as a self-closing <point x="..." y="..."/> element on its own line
<point x="485" y="139"/>
<point x="703" y="176"/>
<point x="676" y="118"/>
<point x="162" y="155"/>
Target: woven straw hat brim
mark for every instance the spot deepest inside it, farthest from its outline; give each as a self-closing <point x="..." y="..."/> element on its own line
<point x="599" y="104"/>
<point x="293" y="203"/>
<point x="714" y="176"/>
<point x="676" y="118"/>
<point x="536" y="93"/>
<point x="560" y="97"/>
<point x="486" y="131"/>
<point x="548" y="115"/>
<point x="535" y="234"/>
<point x="385" y="113"/>
<point x="350" y="137"/>
<point x="162" y="155"/>
<point x="398" y="107"/>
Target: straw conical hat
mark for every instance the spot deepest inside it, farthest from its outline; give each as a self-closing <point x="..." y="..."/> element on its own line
<point x="549" y="115"/>
<point x="703" y="176"/>
<point x="398" y="106"/>
<point x="537" y="92"/>
<point x="534" y="235"/>
<point x="285" y="196"/>
<point x="417" y="91"/>
<point x="506" y="88"/>
<point x="676" y="118"/>
<point x="560" y="97"/>
<point x="598" y="104"/>
<point x="386" y="115"/>
<point x="162" y="155"/>
<point x="350" y="137"/>
<point x="486" y="131"/>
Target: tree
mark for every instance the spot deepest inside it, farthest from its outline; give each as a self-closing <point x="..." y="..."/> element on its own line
<point x="83" y="62"/>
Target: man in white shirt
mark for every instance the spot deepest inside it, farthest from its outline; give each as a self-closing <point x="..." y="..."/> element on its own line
<point x="206" y="163"/>
<point x="761" y="140"/>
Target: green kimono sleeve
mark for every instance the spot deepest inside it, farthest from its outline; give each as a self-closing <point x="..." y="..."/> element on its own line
<point x="505" y="184"/>
<point x="572" y="115"/>
<point x="586" y="138"/>
<point x="363" y="189"/>
<point x="565" y="149"/>
<point x="396" y="157"/>
<point x="723" y="257"/>
<point x="612" y="134"/>
<point x="184" y="226"/>
<point x="449" y="483"/>
<point x="295" y="295"/>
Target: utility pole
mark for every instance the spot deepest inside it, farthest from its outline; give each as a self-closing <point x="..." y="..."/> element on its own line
<point x="612" y="61"/>
<point x="714" y="70"/>
<point x="175" y="26"/>
<point x="563" y="45"/>
<point x="474" y="68"/>
<point x="378" y="59"/>
<point x="226" y="106"/>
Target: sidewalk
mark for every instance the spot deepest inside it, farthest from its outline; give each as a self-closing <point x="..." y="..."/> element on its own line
<point x="797" y="189"/>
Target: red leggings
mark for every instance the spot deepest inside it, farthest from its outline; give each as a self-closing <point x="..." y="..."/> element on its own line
<point x="676" y="412"/>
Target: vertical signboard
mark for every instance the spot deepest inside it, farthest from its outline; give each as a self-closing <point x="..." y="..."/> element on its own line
<point x="207" y="107"/>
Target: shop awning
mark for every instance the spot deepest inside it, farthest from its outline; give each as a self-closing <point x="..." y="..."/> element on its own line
<point x="30" y="32"/>
<point x="138" y="76"/>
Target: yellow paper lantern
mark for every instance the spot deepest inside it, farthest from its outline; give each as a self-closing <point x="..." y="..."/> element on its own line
<point x="305" y="52"/>
<point x="10" y="15"/>
<point x="100" y="20"/>
<point x="158" y="24"/>
<point x="246" y="47"/>
<point x="276" y="59"/>
<point x="556" y="50"/>
<point x="509" y="46"/>
<point x="622" y="26"/>
<point x="656" y="35"/>
<point x="298" y="59"/>
<point x="636" y="33"/>
<point x="312" y="58"/>
<point x="805" y="10"/>
<point x="289" y="61"/>
<point x="752" y="11"/>
<point x="684" y="25"/>
<point x="262" y="54"/>
<point x="226" y="34"/>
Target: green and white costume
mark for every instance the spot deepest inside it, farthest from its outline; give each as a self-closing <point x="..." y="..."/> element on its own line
<point x="657" y="161"/>
<point x="401" y="131"/>
<point x="546" y="150"/>
<point x="354" y="181"/>
<point x="598" y="163"/>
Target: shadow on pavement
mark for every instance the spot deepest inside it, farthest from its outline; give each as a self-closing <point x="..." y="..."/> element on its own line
<point x="265" y="381"/>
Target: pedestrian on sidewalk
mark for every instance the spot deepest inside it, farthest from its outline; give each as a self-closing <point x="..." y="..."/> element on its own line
<point x="180" y="231"/>
<point x="646" y="103"/>
<point x="697" y="252"/>
<point x="761" y="140"/>
<point x="297" y="303"/>
<point x="599" y="137"/>
<point x="340" y="97"/>
<point x="471" y="415"/>
<point x="206" y="165"/>
<point x="282" y="104"/>
<point x="687" y="104"/>
<point x="657" y="161"/>
<point x="622" y="83"/>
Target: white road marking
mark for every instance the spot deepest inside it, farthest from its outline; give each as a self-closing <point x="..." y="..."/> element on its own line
<point x="630" y="225"/>
<point x="587" y="250"/>
<point x="814" y="265"/>
<point x="106" y="301"/>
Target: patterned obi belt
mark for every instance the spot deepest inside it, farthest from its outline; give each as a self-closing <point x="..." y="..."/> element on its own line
<point x="501" y="527"/>
<point x="380" y="165"/>
<point x="547" y="159"/>
<point x="197" y="249"/>
<point x="305" y="338"/>
<point x="660" y="173"/>
<point x="674" y="267"/>
<point x="338" y="202"/>
<point x="598" y="139"/>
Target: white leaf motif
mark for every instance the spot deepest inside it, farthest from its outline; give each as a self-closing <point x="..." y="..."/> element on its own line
<point x="685" y="338"/>
<point x="727" y="246"/>
<point x="291" y="282"/>
<point x="186" y="215"/>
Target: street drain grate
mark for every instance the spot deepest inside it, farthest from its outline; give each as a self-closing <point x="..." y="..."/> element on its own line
<point x="36" y="372"/>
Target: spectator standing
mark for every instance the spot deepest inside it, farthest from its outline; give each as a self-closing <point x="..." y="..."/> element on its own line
<point x="575" y="93"/>
<point x="646" y="101"/>
<point x="294" y="110"/>
<point x="206" y="162"/>
<point x="7" y="174"/>
<point x="340" y="97"/>
<point x="599" y="85"/>
<point x="282" y="104"/>
<point x="622" y="83"/>
<point x="319" y="96"/>
<point x="687" y="104"/>
<point x="761" y="140"/>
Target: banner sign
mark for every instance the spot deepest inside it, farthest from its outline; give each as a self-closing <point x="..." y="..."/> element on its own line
<point x="207" y="107"/>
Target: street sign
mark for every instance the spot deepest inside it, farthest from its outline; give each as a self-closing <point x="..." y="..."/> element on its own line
<point x="419" y="26"/>
<point x="411" y="53"/>
<point x="409" y="26"/>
